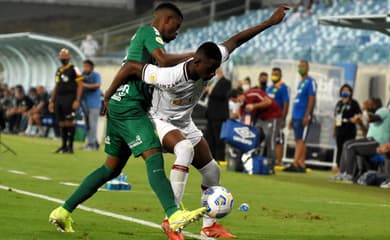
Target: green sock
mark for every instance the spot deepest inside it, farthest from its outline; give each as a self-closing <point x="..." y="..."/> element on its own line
<point x="89" y="186"/>
<point x="159" y="182"/>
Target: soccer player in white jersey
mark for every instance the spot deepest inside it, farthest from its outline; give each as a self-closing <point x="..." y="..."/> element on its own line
<point x="177" y="91"/>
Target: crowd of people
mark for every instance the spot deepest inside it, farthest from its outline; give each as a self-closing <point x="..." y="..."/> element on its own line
<point x="40" y="113"/>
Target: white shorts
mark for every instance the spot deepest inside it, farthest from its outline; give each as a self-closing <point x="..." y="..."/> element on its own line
<point x="190" y="132"/>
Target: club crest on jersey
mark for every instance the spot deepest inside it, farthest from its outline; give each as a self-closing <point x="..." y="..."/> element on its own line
<point x="177" y="102"/>
<point x="152" y="78"/>
<point x="64" y="78"/>
<point x="159" y="40"/>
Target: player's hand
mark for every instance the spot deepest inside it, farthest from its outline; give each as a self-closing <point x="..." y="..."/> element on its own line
<point x="384" y="148"/>
<point x="51" y="107"/>
<point x="250" y="107"/>
<point x="278" y="15"/>
<point x="105" y="106"/>
<point x="305" y="121"/>
<point x="75" y="104"/>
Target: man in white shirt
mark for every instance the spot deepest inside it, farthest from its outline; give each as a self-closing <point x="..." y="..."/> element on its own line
<point x="177" y="91"/>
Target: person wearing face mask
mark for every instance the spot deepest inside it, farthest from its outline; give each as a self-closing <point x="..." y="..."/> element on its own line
<point x="65" y="99"/>
<point x="356" y="153"/>
<point x="346" y="111"/>
<point x="263" y="81"/>
<point x="280" y="93"/>
<point x="246" y="84"/>
<point x="301" y="116"/>
<point x="91" y="103"/>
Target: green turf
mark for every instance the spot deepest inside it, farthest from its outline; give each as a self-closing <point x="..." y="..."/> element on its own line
<point x="285" y="206"/>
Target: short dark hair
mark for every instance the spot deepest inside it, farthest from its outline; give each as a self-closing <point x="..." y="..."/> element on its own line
<point x="305" y="61"/>
<point x="263" y="74"/>
<point x="169" y="6"/>
<point x="377" y="102"/>
<point x="19" y="88"/>
<point x="248" y="79"/>
<point x="277" y="69"/>
<point x="235" y="92"/>
<point x="210" y="50"/>
<point x="89" y="62"/>
<point x="346" y="86"/>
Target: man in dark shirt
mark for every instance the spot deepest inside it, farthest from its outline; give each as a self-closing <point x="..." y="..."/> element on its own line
<point x="65" y="100"/>
<point x="217" y="112"/>
<point x="22" y="106"/>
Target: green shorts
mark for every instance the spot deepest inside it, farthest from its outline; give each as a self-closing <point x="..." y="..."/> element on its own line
<point x="124" y="137"/>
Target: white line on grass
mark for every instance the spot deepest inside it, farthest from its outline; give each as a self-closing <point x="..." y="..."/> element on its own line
<point x="359" y="204"/>
<point x="98" y="211"/>
<point x="17" y="172"/>
<point x="69" y="184"/>
<point x="42" y="178"/>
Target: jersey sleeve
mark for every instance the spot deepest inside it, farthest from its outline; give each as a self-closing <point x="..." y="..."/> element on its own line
<point x="312" y="88"/>
<point x="164" y="78"/>
<point x="153" y="39"/>
<point x="382" y="113"/>
<point x="224" y="52"/>
<point x="79" y="76"/>
<point x="285" y="94"/>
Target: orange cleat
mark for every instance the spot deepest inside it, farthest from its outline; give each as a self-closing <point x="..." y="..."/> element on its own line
<point x="171" y="234"/>
<point x="216" y="231"/>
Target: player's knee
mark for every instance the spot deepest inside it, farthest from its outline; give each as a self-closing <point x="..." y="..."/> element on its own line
<point x="184" y="151"/>
<point x="210" y="174"/>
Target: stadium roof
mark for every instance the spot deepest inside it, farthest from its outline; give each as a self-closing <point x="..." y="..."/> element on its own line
<point x="380" y="23"/>
<point x="31" y="59"/>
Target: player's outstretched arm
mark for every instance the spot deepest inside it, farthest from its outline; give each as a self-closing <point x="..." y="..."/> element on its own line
<point x="130" y="68"/>
<point x="165" y="59"/>
<point x="245" y="35"/>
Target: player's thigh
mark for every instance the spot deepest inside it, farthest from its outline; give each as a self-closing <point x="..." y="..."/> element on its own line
<point x="115" y="145"/>
<point x="168" y="134"/>
<point x="202" y="155"/>
<point x="140" y="135"/>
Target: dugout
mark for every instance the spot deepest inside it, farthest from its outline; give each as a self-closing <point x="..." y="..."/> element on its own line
<point x="31" y="59"/>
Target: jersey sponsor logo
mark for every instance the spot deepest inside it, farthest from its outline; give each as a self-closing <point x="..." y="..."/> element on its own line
<point x="135" y="142"/>
<point x="159" y="40"/>
<point x="121" y="92"/>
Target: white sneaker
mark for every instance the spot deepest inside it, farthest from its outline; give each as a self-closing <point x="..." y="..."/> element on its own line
<point x="385" y="184"/>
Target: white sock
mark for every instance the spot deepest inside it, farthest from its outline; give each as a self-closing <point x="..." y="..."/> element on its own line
<point x="210" y="177"/>
<point x="28" y="130"/>
<point x="184" y="152"/>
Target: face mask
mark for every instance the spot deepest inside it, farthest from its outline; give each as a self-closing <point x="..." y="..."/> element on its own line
<point x="345" y="94"/>
<point x="245" y="87"/>
<point x="64" y="61"/>
<point x="275" y="79"/>
<point x="301" y="71"/>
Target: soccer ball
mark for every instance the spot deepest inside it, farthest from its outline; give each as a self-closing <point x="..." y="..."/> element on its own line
<point x="218" y="201"/>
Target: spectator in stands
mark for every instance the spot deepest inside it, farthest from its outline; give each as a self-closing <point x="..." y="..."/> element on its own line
<point x="346" y="115"/>
<point x="356" y="153"/>
<point x="265" y="114"/>
<point x="301" y="116"/>
<point x="217" y="112"/>
<point x="246" y="84"/>
<point x="91" y="103"/>
<point x="65" y="100"/>
<point x="263" y="81"/>
<point x="22" y="106"/>
<point x="2" y="109"/>
<point x="37" y="112"/>
<point x="280" y="93"/>
<point x="89" y="46"/>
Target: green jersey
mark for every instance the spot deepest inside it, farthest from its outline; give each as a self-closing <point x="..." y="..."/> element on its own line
<point x="132" y="98"/>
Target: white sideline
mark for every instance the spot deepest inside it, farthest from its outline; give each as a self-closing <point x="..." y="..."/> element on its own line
<point x="98" y="211"/>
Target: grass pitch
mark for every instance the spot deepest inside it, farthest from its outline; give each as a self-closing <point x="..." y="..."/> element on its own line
<point x="284" y="206"/>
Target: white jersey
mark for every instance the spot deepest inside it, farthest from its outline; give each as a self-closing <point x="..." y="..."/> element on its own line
<point x="175" y="95"/>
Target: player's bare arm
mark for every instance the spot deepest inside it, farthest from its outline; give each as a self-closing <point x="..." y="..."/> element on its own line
<point x="165" y="59"/>
<point x="128" y="69"/>
<point x="244" y="36"/>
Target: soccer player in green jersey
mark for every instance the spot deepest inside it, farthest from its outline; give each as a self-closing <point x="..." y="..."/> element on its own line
<point x="129" y="130"/>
